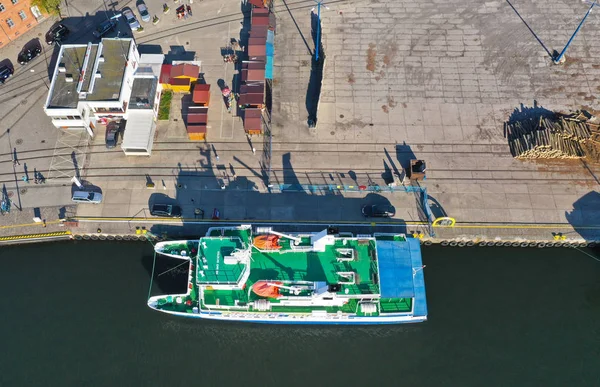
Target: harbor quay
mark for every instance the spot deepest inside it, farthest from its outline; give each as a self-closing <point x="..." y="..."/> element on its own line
<point x="395" y="82"/>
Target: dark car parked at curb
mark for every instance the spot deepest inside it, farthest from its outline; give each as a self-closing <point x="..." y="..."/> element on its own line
<point x="378" y="211"/>
<point x="112" y="136"/>
<point x="28" y="54"/>
<point x="166" y="210"/>
<point x="57" y="34"/>
<point x="5" y="73"/>
<point x="105" y="28"/>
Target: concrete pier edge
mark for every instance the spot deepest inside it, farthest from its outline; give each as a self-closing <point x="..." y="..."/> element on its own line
<point x="79" y="229"/>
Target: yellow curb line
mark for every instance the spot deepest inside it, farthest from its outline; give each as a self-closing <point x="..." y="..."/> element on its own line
<point x="30" y="224"/>
<point x="35" y="236"/>
<point x="407" y="222"/>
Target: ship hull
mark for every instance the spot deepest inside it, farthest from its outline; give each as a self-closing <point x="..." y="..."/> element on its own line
<point x="281" y="318"/>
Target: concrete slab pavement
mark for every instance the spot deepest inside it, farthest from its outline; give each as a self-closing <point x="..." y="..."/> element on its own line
<point x="447" y="80"/>
<point x="432" y="84"/>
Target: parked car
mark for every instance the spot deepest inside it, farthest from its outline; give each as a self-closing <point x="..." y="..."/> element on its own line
<point x="166" y="210"/>
<point x="131" y="20"/>
<point x="87" y="197"/>
<point x="112" y="136"/>
<point x="105" y="27"/>
<point x="57" y="34"/>
<point x="378" y="211"/>
<point x="28" y="54"/>
<point x="143" y="10"/>
<point x="5" y="73"/>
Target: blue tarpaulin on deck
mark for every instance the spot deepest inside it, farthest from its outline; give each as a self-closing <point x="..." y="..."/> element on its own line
<point x="395" y="269"/>
<point x="401" y="272"/>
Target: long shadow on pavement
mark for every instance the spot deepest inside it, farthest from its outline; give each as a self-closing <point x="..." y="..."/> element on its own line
<point x="585" y="216"/>
<point x="214" y="189"/>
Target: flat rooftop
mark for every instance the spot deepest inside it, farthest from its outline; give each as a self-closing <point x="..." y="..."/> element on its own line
<point x="142" y="93"/>
<point x="63" y="93"/>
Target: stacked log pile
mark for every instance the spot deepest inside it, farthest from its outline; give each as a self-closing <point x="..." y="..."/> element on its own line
<point x="563" y="136"/>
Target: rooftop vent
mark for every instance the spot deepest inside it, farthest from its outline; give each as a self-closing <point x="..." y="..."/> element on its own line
<point x="68" y="78"/>
<point x="62" y="68"/>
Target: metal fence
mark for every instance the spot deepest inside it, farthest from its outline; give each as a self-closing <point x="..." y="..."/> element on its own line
<point x="329" y="188"/>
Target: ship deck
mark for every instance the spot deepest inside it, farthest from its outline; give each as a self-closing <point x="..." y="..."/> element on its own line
<point x="292" y="263"/>
<point x="297" y="265"/>
<point x="349" y="262"/>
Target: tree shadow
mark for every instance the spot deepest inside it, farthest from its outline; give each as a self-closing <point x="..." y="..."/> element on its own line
<point x="585" y="216"/>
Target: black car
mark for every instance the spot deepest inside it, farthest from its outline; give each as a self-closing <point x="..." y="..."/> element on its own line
<point x="5" y="73"/>
<point x="105" y="28"/>
<point x="378" y="211"/>
<point x="27" y="54"/>
<point x="112" y="136"/>
<point x="166" y="210"/>
<point x="57" y="34"/>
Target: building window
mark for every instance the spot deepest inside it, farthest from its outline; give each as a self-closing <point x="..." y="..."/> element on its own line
<point x="10" y="22"/>
<point x="2" y="7"/>
<point x="14" y="1"/>
<point x="108" y="110"/>
<point x="22" y="15"/>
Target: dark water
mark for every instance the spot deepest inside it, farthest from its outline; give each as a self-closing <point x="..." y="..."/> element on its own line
<point x="74" y="314"/>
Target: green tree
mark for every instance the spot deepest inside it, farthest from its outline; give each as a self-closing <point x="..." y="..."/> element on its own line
<point x="49" y="6"/>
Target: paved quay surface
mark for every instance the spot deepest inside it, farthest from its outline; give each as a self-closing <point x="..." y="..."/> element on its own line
<point x="436" y="80"/>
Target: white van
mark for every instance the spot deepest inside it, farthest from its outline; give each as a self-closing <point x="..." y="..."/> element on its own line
<point x="87" y="197"/>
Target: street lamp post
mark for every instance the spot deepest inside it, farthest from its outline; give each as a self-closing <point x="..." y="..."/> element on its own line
<point x="318" y="27"/>
<point x="560" y="57"/>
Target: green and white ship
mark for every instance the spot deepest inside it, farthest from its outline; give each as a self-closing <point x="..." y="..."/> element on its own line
<point x="305" y="278"/>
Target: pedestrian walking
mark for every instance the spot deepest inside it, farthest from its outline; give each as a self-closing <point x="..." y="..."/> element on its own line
<point x="15" y="158"/>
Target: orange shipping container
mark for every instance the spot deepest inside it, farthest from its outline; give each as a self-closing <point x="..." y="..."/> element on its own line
<point x="197" y="136"/>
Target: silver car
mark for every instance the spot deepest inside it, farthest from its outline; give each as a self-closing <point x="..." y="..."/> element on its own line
<point x="131" y="20"/>
<point x="143" y="10"/>
<point x="87" y="197"/>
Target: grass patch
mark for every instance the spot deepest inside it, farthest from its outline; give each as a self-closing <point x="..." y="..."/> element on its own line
<point x="164" y="107"/>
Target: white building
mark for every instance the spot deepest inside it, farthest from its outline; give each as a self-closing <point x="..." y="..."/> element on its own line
<point x="142" y="108"/>
<point x="94" y="83"/>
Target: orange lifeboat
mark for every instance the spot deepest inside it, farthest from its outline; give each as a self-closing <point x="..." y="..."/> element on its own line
<point x="267" y="242"/>
<point x="267" y="289"/>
